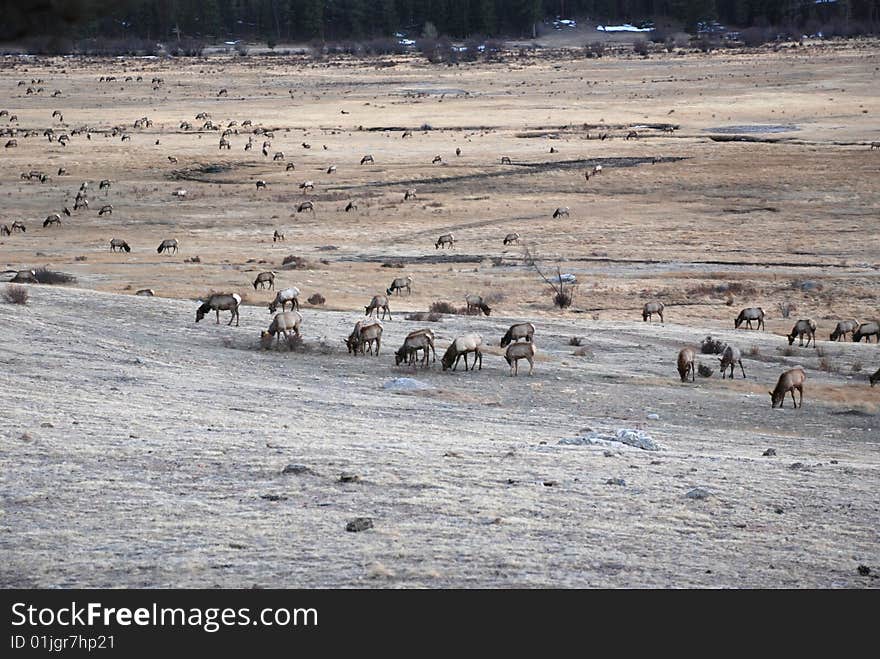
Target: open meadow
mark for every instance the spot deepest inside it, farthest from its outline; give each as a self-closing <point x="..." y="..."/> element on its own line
<point x="140" y="449"/>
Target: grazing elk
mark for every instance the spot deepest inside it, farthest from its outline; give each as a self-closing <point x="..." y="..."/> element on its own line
<point x="399" y="284"/>
<point x="652" y="308"/>
<point x="437" y="159"/>
<point x="419" y="340"/>
<point x="378" y="302"/>
<point x="444" y="240"/>
<point x="475" y="304"/>
<point x="220" y="302"/>
<point x="277" y="236"/>
<point x="282" y="324"/>
<point x="284" y="296"/>
<point x="505" y="160"/>
<point x="801" y="327"/>
<point x="106" y="209"/>
<point x="843" y="328"/>
<point x="788" y="382"/>
<point x="729" y="359"/>
<point x="511" y="238"/>
<point x="290" y="166"/>
<point x="518" y="331"/>
<point x="866" y="331"/>
<point x="279" y="155"/>
<point x="306" y="206"/>
<point x="367" y="158"/>
<point x="261" y="184"/>
<point x="331" y="169"/>
<point x="460" y="348"/>
<point x="53" y="219"/>
<point x="562" y="211"/>
<point x="686" y="364"/>
<point x="517" y="351"/>
<point x="748" y="315"/>
<point x="351" y="206"/>
<point x="364" y="335"/>
<point x="18" y="226"/>
<point x="265" y="278"/>
<point x="119" y="243"/>
<point x="409" y="194"/>
<point x="631" y="135"/>
<point x="307" y="185"/>
<point x="169" y="246"/>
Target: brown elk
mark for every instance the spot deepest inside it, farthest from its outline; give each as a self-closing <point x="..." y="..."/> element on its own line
<point x="652" y="308"/>
<point x="475" y="304"/>
<point x="264" y="279"/>
<point x="748" y="315"/>
<point x="789" y="381"/>
<point x="277" y="236"/>
<point x="843" y="328"/>
<point x="444" y="240"/>
<point x="511" y="238"/>
<point x="461" y="347"/>
<point x="517" y="351"/>
<point x="378" y="302"/>
<point x="118" y="243"/>
<point x="220" y="302"/>
<point x="802" y="327"/>
<point x="686" y="364"/>
<point x="866" y="331"/>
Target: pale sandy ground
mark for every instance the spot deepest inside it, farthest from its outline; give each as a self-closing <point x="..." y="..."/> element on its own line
<point x="164" y="434"/>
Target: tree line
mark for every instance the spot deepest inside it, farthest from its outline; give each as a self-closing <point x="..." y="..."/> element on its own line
<point x="294" y="20"/>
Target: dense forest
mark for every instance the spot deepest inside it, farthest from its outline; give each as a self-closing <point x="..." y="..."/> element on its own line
<point x="279" y="21"/>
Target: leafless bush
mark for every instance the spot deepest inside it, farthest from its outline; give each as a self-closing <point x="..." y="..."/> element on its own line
<point x="46" y="276"/>
<point x="754" y="351"/>
<point x="292" y="262"/>
<point x="575" y="341"/>
<point x="562" y="299"/>
<point x="15" y="294"/>
<point x="81" y="257"/>
<point x="424" y="316"/>
<point x="704" y="371"/>
<point x="443" y="307"/>
<point x="393" y="265"/>
<point x="316" y="299"/>
<point x="789" y="351"/>
<point x="857" y="366"/>
<point x="640" y="47"/>
<point x="595" y="49"/>
<point x="786" y="308"/>
<point x="825" y="364"/>
<point x="710" y="346"/>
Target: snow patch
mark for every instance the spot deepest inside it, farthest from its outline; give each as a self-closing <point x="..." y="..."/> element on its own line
<point x="635" y="438"/>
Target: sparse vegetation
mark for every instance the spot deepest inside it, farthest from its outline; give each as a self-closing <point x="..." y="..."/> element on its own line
<point x="424" y="316"/>
<point x="316" y="299"/>
<point x="575" y="341"/>
<point x="16" y="294"/>
<point x="444" y="307"/>
<point x="293" y="262"/>
<point x="46" y="276"/>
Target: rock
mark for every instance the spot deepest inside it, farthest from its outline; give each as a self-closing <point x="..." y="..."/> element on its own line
<point x="46" y="424"/>
<point x="698" y="493"/>
<point x="273" y="497"/>
<point x="635" y="438"/>
<point x="608" y="454"/>
<point x="348" y="477"/>
<point x="359" y="524"/>
<point x="296" y="469"/>
<point x="778" y="511"/>
<point x="704" y="371"/>
<point x="615" y="481"/>
<point x="864" y="570"/>
<point x="406" y="384"/>
<point x="769" y="452"/>
<point x="796" y="465"/>
<point x="652" y="416"/>
<point x="26" y="437"/>
<point x="550" y="483"/>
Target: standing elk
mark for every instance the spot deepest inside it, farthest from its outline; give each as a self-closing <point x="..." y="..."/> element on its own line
<point x="788" y="382"/>
<point x="277" y="236"/>
<point x="351" y="206"/>
<point x="801" y="327"/>
<point x="290" y="166"/>
<point x="418" y="340"/>
<point x="729" y="359"/>
<point x="169" y="246"/>
<point x="261" y="184"/>
<point x="505" y="160"/>
<point x="18" y="226"/>
<point x="866" y="331"/>
<point x="282" y="324"/>
<point x="306" y="206"/>
<point x="561" y="211"/>
<point x="748" y="315"/>
<point x="364" y="335"/>
<point x="476" y="304"/>
<point x="279" y="155"/>
<point x="399" y="284"/>
<point x="875" y="378"/>
<point x="686" y="364"/>
<point x="4" y="230"/>
<point x="518" y="331"/>
<point x="118" y="243"/>
<point x="511" y="238"/>
<point x="106" y="209"/>
<point x="104" y="185"/>
<point x="367" y="158"/>
<point x="284" y="296"/>
<point x="460" y="348"/>
<point x="409" y="194"/>
<point x="444" y="240"/>
<point x="378" y="302"/>
<point x="843" y="328"/>
<point x="220" y="302"/>
<point x="517" y="351"/>
<point x="53" y="219"/>
<point x="652" y="308"/>
<point x="265" y="278"/>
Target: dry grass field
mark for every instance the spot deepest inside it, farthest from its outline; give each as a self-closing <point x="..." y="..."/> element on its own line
<point x="138" y="448"/>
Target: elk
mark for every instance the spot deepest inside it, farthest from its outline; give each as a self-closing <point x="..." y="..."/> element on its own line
<point x="444" y="240"/>
<point x="422" y="339"/>
<point x="222" y="92"/>
<point x="748" y="315"/>
<point x="261" y="184"/>
<point x="277" y="236"/>
<point x="652" y="308"/>
<point x="107" y="209"/>
<point x="11" y="144"/>
<point x="367" y="158"/>
<point x="788" y="382"/>
<point x="511" y="238"/>
<point x="284" y="296"/>
<point x="686" y="364"/>
<point x="406" y="133"/>
<point x="80" y="202"/>
<point x="517" y="351"/>
<point x="172" y="160"/>
<point x="475" y="302"/>
<point x="460" y="348"/>
<point x="220" y="302"/>
<point x="437" y="159"/>
<point x="169" y="246"/>
<point x="118" y="243"/>
<point x="843" y="328"/>
<point x="458" y="150"/>
<point x="283" y="323"/>
<point x="105" y="184"/>
<point x="505" y="160"/>
<point x="875" y="145"/>
<point x="409" y="194"/>
<point x="331" y="169"/>
<point x="225" y="144"/>
<point x="399" y="284"/>
<point x="18" y="226"/>
<point x="560" y="212"/>
<point x="801" y="327"/>
<point x="866" y="331"/>
<point x="306" y="145"/>
<point x="307" y="185"/>
<point x="289" y="167"/>
<point x="53" y="219"/>
<point x="518" y="331"/>
<point x="279" y="155"/>
<point x="306" y="206"/>
<point x="378" y="302"/>
<point x="364" y="335"/>
<point x="631" y="135"/>
<point x="351" y="206"/>
<point x="874" y="378"/>
<point x="4" y="230"/>
<point x="265" y="278"/>
<point x="730" y="358"/>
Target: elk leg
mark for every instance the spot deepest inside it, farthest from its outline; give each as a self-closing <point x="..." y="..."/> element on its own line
<point x="741" y="367"/>
<point x="218" y="316"/>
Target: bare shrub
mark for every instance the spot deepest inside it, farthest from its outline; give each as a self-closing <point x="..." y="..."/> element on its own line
<point x="704" y="371"/>
<point x="424" y="316"/>
<point x="640" y="47"/>
<point x="15" y="294"/>
<point x="575" y="341"/>
<point x="443" y="307"/>
<point x="316" y="299"/>
<point x="46" y="276"/>
<point x="786" y="308"/>
<point x="789" y="351"/>
<point x="292" y="262"/>
<point x="595" y="49"/>
<point x="857" y="366"/>
<point x="562" y="299"/>
<point x="710" y="346"/>
<point x="754" y="351"/>
<point x="826" y="365"/>
<point x="81" y="257"/>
